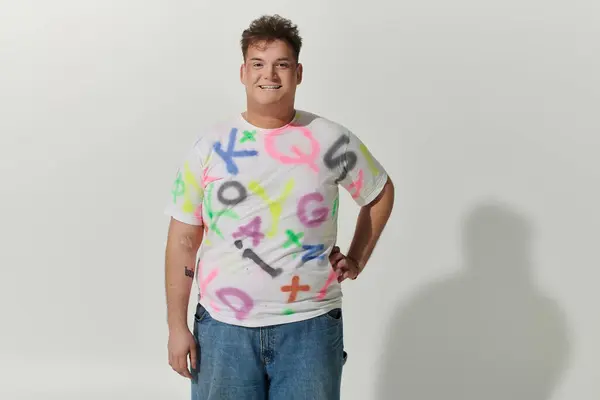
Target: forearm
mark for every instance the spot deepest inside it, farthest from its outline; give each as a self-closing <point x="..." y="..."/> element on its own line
<point x="180" y="261"/>
<point x="371" y="221"/>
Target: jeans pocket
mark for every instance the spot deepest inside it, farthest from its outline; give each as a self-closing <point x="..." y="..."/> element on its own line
<point x="334" y="314"/>
<point x="200" y="313"/>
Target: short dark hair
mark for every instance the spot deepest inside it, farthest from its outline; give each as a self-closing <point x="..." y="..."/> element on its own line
<point x="270" y="28"/>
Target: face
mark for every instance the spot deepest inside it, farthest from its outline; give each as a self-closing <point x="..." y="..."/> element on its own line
<point x="271" y="73"/>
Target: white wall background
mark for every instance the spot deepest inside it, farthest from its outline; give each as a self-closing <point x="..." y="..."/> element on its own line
<point x="485" y="113"/>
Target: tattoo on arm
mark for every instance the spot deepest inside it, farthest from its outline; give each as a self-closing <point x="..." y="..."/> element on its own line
<point x="189" y="272"/>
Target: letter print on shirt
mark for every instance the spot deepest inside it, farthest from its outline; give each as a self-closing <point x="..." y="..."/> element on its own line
<point x="224" y="294"/>
<point x="241" y="312"/>
<point x="301" y="157"/>
<point x="213" y="215"/>
<point x="295" y="288"/>
<point x="318" y="216"/>
<point x="182" y="186"/>
<point x="332" y="278"/>
<point x="370" y="160"/>
<point x="248" y="135"/>
<point x="206" y="180"/>
<point x="349" y="157"/>
<point x="252" y="229"/>
<point x="356" y="186"/>
<point x="273" y="213"/>
<point x="229" y="155"/>
<point x="250" y="254"/>
<point x="313" y="252"/>
<point x="293" y="239"/>
<point x="178" y="187"/>
<point x="204" y="282"/>
<point x="232" y="201"/>
<point x="275" y="205"/>
<point x="336" y="204"/>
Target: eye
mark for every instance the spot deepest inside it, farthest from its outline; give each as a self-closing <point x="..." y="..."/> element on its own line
<point x="257" y="65"/>
<point x="284" y="65"/>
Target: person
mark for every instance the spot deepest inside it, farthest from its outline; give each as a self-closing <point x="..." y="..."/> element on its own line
<point x="255" y="202"/>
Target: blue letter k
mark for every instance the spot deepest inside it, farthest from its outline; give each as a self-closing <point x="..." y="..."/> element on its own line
<point x="228" y="155"/>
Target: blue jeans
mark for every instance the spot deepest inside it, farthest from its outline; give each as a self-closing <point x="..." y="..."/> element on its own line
<point x="295" y="361"/>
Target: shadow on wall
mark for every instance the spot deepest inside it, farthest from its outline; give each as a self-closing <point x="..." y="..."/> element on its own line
<point x="485" y="333"/>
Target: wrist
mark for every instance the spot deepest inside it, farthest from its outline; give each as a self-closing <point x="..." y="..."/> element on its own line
<point x="176" y="328"/>
<point x="177" y="323"/>
<point x="355" y="260"/>
<point x="359" y="266"/>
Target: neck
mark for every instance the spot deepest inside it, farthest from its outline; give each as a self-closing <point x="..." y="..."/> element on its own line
<point x="269" y="117"/>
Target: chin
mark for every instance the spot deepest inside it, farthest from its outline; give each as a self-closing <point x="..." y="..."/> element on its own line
<point x="268" y="100"/>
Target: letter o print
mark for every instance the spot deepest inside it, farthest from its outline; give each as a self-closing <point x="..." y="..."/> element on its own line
<point x="239" y="188"/>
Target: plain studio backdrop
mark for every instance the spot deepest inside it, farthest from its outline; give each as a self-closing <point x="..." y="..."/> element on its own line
<point x="485" y="113"/>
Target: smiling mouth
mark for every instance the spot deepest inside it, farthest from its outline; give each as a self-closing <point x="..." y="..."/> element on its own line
<point x="270" y="87"/>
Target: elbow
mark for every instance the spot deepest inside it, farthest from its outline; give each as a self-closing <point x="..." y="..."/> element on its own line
<point x="184" y="237"/>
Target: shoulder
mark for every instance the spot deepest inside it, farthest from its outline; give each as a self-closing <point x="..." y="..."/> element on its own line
<point x="331" y="134"/>
<point x="329" y="131"/>
<point x="209" y="134"/>
<point x="320" y="122"/>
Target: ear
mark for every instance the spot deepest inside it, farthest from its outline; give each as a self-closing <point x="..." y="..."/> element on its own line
<point x="299" y="71"/>
<point x="243" y="73"/>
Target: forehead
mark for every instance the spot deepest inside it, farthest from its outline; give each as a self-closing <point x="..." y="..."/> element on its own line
<point x="270" y="50"/>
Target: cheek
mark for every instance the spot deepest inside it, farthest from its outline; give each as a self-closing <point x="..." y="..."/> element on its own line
<point x="291" y="82"/>
<point x="250" y="77"/>
<point x="291" y="79"/>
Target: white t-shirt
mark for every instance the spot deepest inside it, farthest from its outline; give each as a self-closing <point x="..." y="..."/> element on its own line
<point x="268" y="202"/>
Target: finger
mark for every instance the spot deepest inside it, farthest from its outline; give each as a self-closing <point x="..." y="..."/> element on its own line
<point x="351" y="274"/>
<point x="334" y="258"/>
<point x="335" y="264"/>
<point x="182" y="367"/>
<point x="347" y="275"/>
<point x="193" y="358"/>
<point x="335" y="250"/>
<point x="345" y="271"/>
<point x="341" y="265"/>
<point x="175" y="364"/>
<point x="333" y="255"/>
<point x="173" y="361"/>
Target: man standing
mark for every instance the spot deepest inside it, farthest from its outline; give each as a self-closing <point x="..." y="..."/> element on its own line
<point x="257" y="194"/>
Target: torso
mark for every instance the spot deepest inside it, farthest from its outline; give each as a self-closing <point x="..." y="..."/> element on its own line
<point x="269" y="208"/>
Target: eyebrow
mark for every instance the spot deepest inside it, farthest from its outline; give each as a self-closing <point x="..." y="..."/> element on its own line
<point x="279" y="59"/>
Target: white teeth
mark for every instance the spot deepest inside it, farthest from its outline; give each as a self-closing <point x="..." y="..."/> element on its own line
<point x="269" y="87"/>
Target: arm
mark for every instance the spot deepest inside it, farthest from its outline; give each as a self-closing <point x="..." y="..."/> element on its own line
<point x="371" y="221"/>
<point x="183" y="243"/>
<point x="372" y="218"/>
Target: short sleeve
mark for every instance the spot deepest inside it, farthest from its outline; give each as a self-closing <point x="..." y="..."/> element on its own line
<point x="361" y="174"/>
<point x="187" y="194"/>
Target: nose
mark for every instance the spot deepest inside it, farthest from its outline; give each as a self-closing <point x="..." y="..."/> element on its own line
<point x="270" y="72"/>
